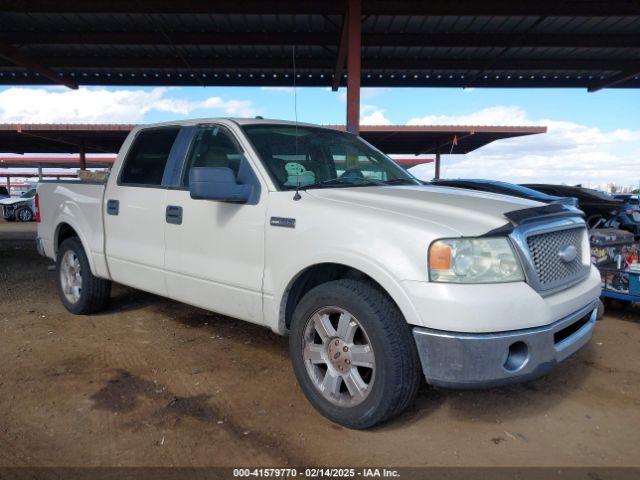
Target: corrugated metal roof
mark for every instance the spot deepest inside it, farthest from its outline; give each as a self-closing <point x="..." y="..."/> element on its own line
<point x="571" y="43"/>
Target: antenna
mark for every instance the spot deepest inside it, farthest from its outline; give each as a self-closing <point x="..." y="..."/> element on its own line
<point x="297" y="196"/>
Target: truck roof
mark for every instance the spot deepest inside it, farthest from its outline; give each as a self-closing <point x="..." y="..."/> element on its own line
<point x="238" y="120"/>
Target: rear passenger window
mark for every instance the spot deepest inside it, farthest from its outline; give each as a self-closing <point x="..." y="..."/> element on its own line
<point x="148" y="156"/>
<point x="213" y="147"/>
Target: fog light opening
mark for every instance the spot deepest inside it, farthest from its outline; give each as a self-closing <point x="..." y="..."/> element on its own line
<point x="517" y="356"/>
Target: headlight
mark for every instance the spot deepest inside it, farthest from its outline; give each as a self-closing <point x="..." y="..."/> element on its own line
<point x="474" y="260"/>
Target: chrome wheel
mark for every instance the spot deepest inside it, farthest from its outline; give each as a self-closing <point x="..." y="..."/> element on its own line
<point x="338" y="356"/>
<point x="71" y="276"/>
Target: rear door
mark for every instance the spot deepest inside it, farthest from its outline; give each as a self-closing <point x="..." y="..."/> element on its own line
<point x="135" y="212"/>
<point x="215" y="250"/>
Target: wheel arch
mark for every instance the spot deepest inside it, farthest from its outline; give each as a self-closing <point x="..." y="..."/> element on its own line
<point x="318" y="273"/>
<point x="66" y="229"/>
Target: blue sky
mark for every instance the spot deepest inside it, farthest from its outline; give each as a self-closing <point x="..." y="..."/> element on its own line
<point x="593" y="138"/>
<point x="606" y="109"/>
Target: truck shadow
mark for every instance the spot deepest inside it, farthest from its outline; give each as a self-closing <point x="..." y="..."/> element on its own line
<point x="511" y="402"/>
<point x="487" y="406"/>
<point x="125" y="299"/>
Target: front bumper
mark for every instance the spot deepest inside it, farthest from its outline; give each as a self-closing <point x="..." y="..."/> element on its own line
<point x="8" y="211"/>
<point x="472" y="360"/>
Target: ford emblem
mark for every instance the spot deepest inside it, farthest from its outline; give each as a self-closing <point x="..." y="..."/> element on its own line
<point x="568" y="253"/>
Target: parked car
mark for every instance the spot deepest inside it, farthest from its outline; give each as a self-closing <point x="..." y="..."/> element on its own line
<point x="4" y="193"/>
<point x="504" y="188"/>
<point x="375" y="278"/>
<point x="631" y="205"/>
<point x="20" y="208"/>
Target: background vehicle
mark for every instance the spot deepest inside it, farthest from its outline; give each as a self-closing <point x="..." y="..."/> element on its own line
<point x="4" y="193"/>
<point x="629" y="199"/>
<point x="630" y="211"/>
<point x="601" y="209"/>
<point x="314" y="233"/>
<point x="20" y="208"/>
<point x="504" y="188"/>
<point x="592" y="202"/>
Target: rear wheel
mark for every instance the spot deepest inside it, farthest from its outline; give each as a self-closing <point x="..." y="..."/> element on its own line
<point x="24" y="214"/>
<point x="81" y="292"/>
<point x="353" y="353"/>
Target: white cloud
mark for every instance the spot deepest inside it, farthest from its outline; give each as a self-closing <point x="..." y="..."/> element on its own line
<point x="375" y="117"/>
<point x="500" y="115"/>
<point x="100" y="105"/>
<point x="568" y="153"/>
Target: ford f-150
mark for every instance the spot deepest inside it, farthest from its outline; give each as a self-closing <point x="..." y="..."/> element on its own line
<point x="377" y="279"/>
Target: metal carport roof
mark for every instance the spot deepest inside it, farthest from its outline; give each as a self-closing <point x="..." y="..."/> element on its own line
<point x="463" y="43"/>
<point x="392" y="139"/>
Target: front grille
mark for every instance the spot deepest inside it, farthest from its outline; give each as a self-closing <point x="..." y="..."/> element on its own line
<point x="545" y="249"/>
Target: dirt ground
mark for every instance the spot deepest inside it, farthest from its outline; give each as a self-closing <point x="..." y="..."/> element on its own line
<point x="152" y="382"/>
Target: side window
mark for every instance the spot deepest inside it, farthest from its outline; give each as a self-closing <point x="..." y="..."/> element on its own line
<point x="147" y="157"/>
<point x="212" y="147"/>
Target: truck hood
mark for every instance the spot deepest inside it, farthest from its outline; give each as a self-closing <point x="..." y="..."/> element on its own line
<point x="14" y="200"/>
<point x="465" y="212"/>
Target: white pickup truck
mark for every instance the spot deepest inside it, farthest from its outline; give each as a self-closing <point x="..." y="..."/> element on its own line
<point x="314" y="233"/>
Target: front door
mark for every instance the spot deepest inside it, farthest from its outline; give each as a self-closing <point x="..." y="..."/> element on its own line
<point x="214" y="255"/>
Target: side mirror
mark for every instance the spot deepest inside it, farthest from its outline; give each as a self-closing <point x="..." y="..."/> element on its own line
<point x="217" y="183"/>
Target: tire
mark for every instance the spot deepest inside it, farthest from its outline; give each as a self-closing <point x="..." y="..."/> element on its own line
<point x="24" y="214"/>
<point x="81" y="292"/>
<point x="376" y="330"/>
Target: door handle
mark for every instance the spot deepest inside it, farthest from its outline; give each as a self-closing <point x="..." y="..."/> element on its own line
<point x="113" y="207"/>
<point x="173" y="214"/>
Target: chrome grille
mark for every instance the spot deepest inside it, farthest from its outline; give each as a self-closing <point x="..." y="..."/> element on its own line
<point x="551" y="270"/>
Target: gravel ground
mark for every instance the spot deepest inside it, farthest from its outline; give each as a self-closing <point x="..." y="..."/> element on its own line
<point x="155" y="382"/>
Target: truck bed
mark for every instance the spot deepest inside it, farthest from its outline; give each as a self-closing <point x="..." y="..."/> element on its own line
<point x="78" y="204"/>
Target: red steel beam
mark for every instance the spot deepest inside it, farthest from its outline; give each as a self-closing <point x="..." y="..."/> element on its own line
<point x="354" y="59"/>
<point x="83" y="157"/>
<point x="33" y="174"/>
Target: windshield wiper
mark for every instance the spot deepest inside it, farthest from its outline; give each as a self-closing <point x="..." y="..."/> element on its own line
<point x="400" y="181"/>
<point x="360" y="182"/>
<point x="342" y="182"/>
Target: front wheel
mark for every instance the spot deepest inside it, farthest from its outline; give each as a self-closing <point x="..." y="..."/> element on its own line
<point x="353" y="353"/>
<point x="81" y="292"/>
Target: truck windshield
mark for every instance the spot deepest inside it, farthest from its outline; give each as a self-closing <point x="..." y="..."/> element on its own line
<point x="308" y="157"/>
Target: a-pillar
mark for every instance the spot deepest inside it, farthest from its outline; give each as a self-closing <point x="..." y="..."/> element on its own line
<point x="354" y="19"/>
